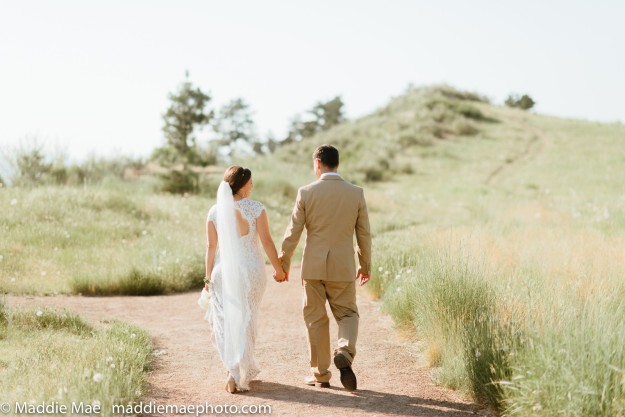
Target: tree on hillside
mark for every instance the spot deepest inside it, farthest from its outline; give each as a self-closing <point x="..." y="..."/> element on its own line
<point x="524" y="102"/>
<point x="323" y="116"/>
<point x="234" y="124"/>
<point x="186" y="113"/>
<point x="329" y="114"/>
<point x="32" y="166"/>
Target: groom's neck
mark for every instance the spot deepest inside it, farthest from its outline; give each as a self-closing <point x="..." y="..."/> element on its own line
<point x="326" y="171"/>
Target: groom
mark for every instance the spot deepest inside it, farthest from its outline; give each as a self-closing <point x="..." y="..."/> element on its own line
<point x="331" y="210"/>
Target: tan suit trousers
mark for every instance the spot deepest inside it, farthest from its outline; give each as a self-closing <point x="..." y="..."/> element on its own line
<point x="341" y="296"/>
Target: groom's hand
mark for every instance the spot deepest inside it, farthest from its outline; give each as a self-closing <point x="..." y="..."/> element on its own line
<point x="364" y="278"/>
<point x="286" y="273"/>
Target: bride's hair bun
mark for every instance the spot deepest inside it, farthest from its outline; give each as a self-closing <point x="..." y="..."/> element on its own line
<point x="237" y="177"/>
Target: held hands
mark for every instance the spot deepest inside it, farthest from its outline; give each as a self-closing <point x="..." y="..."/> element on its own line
<point x="280" y="275"/>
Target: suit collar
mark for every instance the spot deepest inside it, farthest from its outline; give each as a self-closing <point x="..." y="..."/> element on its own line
<point x="330" y="177"/>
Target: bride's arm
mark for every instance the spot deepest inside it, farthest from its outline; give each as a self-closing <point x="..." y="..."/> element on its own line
<point x="211" y="249"/>
<point x="262" y="225"/>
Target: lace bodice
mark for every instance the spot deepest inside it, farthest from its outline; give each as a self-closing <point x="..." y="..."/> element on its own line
<point x="249" y="209"/>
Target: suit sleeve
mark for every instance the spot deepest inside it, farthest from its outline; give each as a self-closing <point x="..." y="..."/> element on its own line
<point x="293" y="231"/>
<point x="363" y="237"/>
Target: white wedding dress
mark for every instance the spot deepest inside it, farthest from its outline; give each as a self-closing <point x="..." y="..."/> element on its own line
<point x="243" y="368"/>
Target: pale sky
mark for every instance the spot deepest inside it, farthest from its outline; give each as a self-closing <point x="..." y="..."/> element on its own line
<point x="93" y="77"/>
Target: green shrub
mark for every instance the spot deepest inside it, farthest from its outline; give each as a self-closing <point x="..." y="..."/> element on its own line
<point x="469" y="111"/>
<point x="174" y="278"/>
<point x="523" y="102"/>
<point x="372" y="173"/>
<point x="465" y="128"/>
<point x="452" y="93"/>
<point x="180" y="181"/>
<point x="136" y="282"/>
<point x="4" y="320"/>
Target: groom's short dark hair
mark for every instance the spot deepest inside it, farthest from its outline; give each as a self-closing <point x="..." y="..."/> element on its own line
<point x="328" y="155"/>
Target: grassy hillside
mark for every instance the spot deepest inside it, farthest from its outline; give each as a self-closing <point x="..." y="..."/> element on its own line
<point x="498" y="236"/>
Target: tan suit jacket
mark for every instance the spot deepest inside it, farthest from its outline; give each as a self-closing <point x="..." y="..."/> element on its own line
<point x="331" y="210"/>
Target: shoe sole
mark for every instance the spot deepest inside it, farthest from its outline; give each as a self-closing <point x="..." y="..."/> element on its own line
<point x="318" y="384"/>
<point x="348" y="377"/>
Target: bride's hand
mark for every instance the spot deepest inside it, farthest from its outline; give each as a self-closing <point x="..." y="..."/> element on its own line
<point x="279" y="275"/>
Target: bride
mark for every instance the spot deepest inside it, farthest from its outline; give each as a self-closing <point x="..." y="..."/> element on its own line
<point x="235" y="274"/>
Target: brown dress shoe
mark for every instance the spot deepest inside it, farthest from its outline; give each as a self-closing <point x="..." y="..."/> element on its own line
<point x="348" y="377"/>
<point x="312" y="381"/>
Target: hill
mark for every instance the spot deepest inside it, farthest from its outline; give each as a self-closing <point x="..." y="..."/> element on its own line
<point x="498" y="240"/>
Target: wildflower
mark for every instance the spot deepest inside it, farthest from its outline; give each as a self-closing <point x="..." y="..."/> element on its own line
<point x="13" y="202"/>
<point x="133" y="335"/>
<point x="380" y="269"/>
<point x="144" y="232"/>
<point x="537" y="407"/>
<point x="398" y="289"/>
<point x="39" y="313"/>
<point x="113" y="365"/>
<point x="397" y="276"/>
<point x="477" y="354"/>
<point x="109" y="359"/>
<point x="97" y="377"/>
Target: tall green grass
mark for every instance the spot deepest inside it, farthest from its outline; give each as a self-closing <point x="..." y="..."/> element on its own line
<point x="516" y="339"/>
<point x="119" y="237"/>
<point x="116" y="238"/>
<point x="50" y="355"/>
<point x="505" y="253"/>
<point x="458" y="315"/>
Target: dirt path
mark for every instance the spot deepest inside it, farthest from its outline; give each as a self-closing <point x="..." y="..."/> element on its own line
<point x="392" y="379"/>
